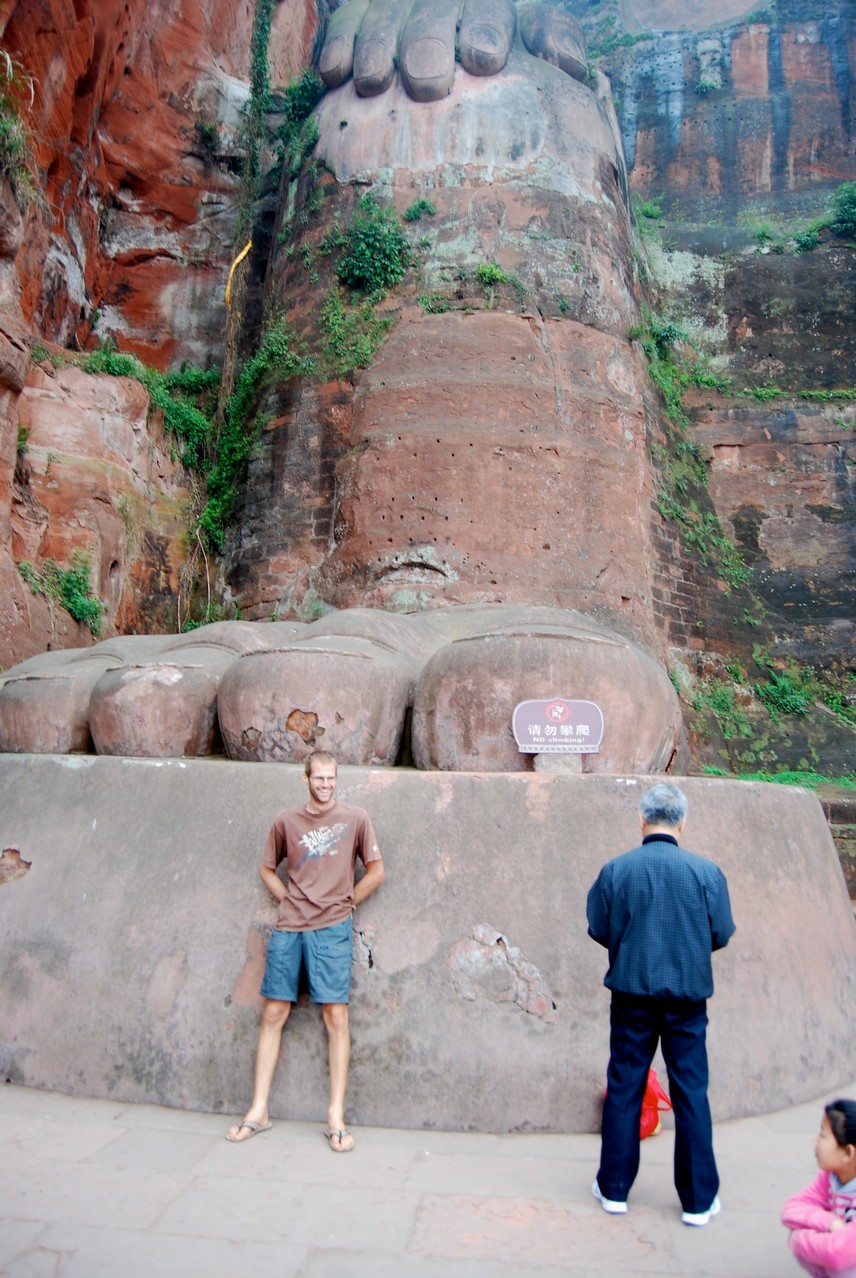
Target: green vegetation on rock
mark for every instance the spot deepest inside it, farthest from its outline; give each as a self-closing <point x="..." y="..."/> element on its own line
<point x="377" y="252"/>
<point x="70" y="587"/>
<point x="16" y="142"/>
<point x="844" y="209"/>
<point x="277" y="358"/>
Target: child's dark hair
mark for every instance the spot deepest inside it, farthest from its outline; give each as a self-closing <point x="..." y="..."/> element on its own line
<point x="842" y="1120"/>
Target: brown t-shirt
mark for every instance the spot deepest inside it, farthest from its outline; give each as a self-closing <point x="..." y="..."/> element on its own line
<point x="320" y="851"/>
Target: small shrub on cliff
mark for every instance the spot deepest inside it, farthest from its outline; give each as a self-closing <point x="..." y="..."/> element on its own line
<point x="377" y="253"/>
<point x="70" y="587"/>
<point x="206" y="138"/>
<point x="16" y="152"/>
<point x="352" y="335"/>
<point x="794" y="689"/>
<point x="782" y="696"/>
<point x="718" y="698"/>
<point x="276" y="358"/>
<point x="650" y="208"/>
<point x="298" y="132"/>
<point x="303" y="95"/>
<point x="418" y="209"/>
<point x="844" y="209"/>
<point x="806" y="240"/>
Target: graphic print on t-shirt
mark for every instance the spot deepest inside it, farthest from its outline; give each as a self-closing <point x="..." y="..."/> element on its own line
<point x="321" y="842"/>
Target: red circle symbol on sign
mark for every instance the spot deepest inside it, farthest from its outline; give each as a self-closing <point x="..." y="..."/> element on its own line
<point x="558" y="711"/>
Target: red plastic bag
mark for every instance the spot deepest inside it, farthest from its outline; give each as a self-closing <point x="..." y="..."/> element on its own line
<point x="654" y="1102"/>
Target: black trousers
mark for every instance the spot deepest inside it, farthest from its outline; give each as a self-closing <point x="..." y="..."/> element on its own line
<point x="636" y="1026"/>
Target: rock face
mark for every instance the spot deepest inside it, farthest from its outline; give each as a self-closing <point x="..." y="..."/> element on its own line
<point x="550" y="496"/>
<point x="745" y="111"/>
<point x="135" y="117"/>
<point x="476" y="1005"/>
<point x="796" y="536"/>
<point x="93" y="474"/>
<point x="478" y="459"/>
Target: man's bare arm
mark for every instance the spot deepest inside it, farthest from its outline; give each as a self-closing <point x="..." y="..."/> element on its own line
<point x="272" y="882"/>
<point x="370" y="881"/>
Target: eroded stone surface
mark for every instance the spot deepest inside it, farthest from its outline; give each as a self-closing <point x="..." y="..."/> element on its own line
<point x="486" y="965"/>
<point x="12" y="865"/>
<point x="342" y="694"/>
<point x="462" y="703"/>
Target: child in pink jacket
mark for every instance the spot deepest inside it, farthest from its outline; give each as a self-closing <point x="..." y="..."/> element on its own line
<point x="822" y="1219"/>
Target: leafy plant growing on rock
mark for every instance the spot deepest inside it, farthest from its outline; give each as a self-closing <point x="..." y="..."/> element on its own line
<point x="206" y="138"/>
<point x="352" y="335"/>
<point x="718" y="697"/>
<point x="491" y="276"/>
<point x="683" y="473"/>
<point x="844" y="209"/>
<point x="253" y="123"/>
<point x="16" y="151"/>
<point x="377" y="252"/>
<point x="70" y="587"/>
<point x="419" y="209"/>
<point x="298" y="132"/>
<point x="276" y="359"/>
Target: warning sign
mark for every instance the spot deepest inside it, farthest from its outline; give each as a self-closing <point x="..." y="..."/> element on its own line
<point x="557" y="725"/>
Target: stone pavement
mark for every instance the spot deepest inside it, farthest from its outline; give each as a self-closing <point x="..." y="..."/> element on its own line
<point x="101" y="1189"/>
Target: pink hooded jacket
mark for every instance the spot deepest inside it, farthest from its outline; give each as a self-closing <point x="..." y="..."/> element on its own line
<point x="808" y="1216"/>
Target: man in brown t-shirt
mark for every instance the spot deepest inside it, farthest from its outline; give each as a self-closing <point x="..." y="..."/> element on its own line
<point x="319" y="843"/>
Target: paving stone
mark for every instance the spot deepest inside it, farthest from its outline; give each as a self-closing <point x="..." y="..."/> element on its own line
<point x="93" y="1189"/>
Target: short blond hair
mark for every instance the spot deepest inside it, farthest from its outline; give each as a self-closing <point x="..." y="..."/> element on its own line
<point x="318" y="756"/>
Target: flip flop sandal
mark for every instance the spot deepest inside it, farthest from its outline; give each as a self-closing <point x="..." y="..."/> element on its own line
<point x="333" y="1133"/>
<point x="254" y="1130"/>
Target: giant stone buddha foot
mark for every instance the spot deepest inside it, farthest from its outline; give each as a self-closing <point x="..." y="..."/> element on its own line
<point x="373" y="687"/>
<point x="369" y="39"/>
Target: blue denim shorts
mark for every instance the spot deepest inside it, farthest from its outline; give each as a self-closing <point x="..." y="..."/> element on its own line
<point x="326" y="956"/>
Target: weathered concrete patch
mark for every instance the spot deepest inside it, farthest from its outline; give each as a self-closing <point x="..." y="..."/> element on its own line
<point x="12" y="865"/>
<point x="485" y="965"/>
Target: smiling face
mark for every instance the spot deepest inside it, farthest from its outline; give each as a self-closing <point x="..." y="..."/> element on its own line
<point x="321" y="783"/>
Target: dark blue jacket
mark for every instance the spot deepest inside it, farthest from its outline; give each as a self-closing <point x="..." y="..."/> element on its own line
<point x="660" y="911"/>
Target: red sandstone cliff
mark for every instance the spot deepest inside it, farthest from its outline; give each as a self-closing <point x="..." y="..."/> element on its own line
<point x="134" y="115"/>
<point x="131" y="238"/>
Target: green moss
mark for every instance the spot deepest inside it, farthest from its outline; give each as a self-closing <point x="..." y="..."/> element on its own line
<point x="809" y="780"/>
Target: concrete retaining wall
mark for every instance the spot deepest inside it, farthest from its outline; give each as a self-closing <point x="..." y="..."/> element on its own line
<point x="131" y="951"/>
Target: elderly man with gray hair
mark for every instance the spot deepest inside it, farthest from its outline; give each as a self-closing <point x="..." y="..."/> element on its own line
<point x="660" y="911"/>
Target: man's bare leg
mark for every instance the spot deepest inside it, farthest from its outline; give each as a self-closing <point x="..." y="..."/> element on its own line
<point x="339" y="1055"/>
<point x="274" y="1016"/>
